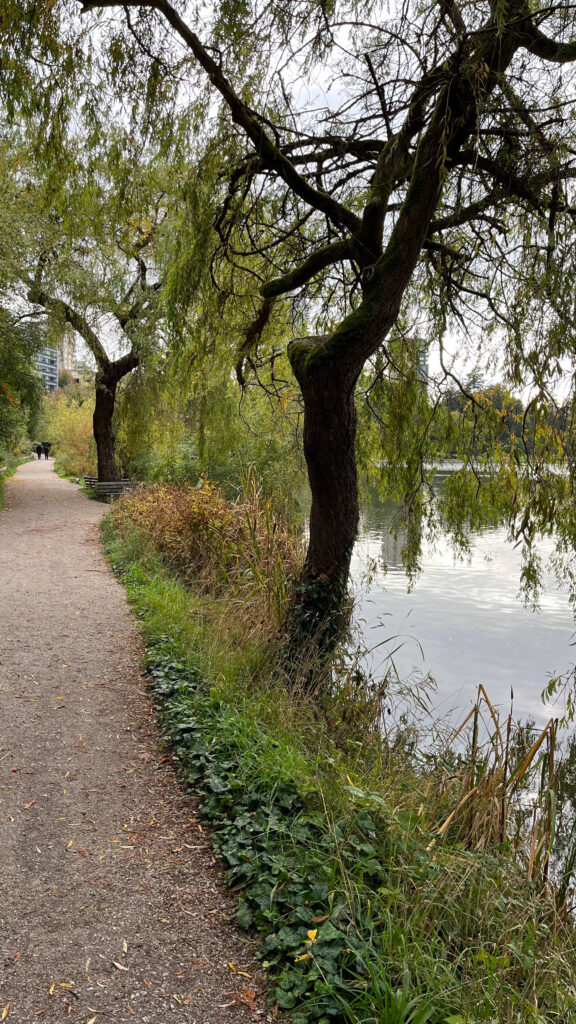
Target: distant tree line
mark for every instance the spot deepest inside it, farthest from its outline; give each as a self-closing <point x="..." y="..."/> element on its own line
<point x="508" y="420"/>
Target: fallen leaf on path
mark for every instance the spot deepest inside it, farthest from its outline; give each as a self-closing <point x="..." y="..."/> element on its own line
<point x="147" y="983"/>
<point x="51" y="989"/>
<point x="249" y="997"/>
<point x="91" y="1021"/>
<point x="71" y="843"/>
<point x="119" y="966"/>
<point x="16" y="958"/>
<point x="5" y="1011"/>
<point x="125" y="946"/>
<point x="26" y="806"/>
<point x="243" y="974"/>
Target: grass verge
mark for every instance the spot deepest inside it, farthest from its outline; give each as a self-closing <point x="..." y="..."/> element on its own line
<point x="369" y="911"/>
<point x="9" y="467"/>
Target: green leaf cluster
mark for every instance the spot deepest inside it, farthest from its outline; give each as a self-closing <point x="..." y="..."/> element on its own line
<point x="21" y="389"/>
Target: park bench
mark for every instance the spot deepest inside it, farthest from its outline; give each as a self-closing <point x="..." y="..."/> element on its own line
<point x="109" y="488"/>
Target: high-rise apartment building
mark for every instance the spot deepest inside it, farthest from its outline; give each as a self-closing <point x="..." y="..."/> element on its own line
<point x="47" y="362"/>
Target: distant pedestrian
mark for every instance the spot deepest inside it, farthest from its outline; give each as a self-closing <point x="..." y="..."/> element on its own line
<point x="46" y="446"/>
<point x="39" y="450"/>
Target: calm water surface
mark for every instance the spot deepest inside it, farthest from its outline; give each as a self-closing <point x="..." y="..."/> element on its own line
<point x="463" y="622"/>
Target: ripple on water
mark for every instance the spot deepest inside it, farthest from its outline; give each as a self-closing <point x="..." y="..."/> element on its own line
<point x="463" y="621"/>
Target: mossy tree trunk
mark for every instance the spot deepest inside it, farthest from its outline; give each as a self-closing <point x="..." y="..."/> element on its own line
<point x="327" y="370"/>
<point x="316" y="616"/>
<point x="108" y="377"/>
<point x="104" y="429"/>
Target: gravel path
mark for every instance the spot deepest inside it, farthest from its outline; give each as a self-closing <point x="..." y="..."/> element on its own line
<point x="112" y="907"/>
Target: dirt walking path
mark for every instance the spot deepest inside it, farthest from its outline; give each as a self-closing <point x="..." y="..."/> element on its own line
<point x="111" y="905"/>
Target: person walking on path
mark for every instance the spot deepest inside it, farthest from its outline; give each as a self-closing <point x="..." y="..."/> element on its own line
<point x="112" y="907"/>
<point x="39" y="450"/>
<point x="46" y="446"/>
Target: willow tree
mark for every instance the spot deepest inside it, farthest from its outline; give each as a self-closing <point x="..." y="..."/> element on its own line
<point x="422" y="153"/>
<point x="84" y="242"/>
<point x="84" y="196"/>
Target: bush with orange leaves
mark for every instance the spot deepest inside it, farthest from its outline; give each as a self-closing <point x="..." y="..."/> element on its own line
<point x="238" y="549"/>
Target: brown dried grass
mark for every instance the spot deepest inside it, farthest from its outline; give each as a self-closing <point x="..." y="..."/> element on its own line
<point x="238" y="551"/>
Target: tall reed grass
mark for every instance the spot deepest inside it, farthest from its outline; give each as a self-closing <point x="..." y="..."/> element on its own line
<point x="240" y="549"/>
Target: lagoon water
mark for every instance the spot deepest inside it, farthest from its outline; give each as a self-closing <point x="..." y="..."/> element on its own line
<point x="463" y="622"/>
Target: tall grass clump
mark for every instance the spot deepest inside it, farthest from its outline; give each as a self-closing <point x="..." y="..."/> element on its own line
<point x="393" y="881"/>
<point x="239" y="549"/>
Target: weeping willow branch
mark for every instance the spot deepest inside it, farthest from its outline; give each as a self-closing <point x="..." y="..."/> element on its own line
<point x="252" y="336"/>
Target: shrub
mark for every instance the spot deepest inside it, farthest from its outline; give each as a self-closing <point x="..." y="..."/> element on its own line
<point x="68" y="424"/>
<point x="239" y="548"/>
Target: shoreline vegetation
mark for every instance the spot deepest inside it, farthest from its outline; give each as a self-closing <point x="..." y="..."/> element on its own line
<point x="389" y="881"/>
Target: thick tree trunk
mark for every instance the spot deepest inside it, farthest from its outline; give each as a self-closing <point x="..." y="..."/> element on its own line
<point x="319" y="612"/>
<point x="108" y="377"/>
<point x="103" y="426"/>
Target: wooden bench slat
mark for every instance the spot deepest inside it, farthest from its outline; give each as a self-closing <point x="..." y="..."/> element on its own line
<point x="109" y="488"/>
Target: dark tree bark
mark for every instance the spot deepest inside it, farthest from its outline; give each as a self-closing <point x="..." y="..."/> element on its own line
<point x="108" y="376"/>
<point x="104" y="428"/>
<point x="317" y="613"/>
<point x="107" y="380"/>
